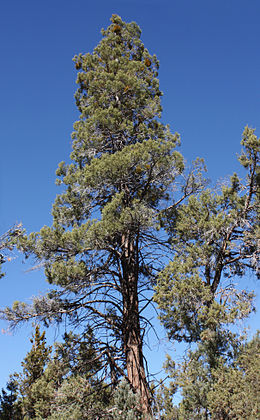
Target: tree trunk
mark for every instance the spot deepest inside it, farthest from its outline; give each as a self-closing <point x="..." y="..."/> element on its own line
<point x="132" y="340"/>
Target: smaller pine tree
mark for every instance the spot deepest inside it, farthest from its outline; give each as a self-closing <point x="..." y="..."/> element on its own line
<point x="9" y="407"/>
<point x="33" y="367"/>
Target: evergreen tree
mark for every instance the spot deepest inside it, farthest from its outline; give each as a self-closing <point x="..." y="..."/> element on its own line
<point x="9" y="406"/>
<point x="67" y="385"/>
<point x="216" y="241"/>
<point x="103" y="252"/>
<point x="57" y="387"/>
<point x="33" y="368"/>
<point x="79" y="392"/>
<point x="229" y="391"/>
<point x="236" y="387"/>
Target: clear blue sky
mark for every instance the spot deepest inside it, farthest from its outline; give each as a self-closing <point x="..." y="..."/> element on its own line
<point x="209" y="72"/>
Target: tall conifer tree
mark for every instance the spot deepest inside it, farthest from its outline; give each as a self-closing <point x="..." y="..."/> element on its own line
<point x="102" y="252"/>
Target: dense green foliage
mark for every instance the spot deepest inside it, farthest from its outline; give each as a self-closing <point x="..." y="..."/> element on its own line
<point x="9" y="405"/>
<point x="126" y="403"/>
<point x="57" y="386"/>
<point x="229" y="390"/>
<point x="33" y="368"/>
<point x="65" y="385"/>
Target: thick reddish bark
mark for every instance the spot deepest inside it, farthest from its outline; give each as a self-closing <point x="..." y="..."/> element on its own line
<point x="133" y="344"/>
